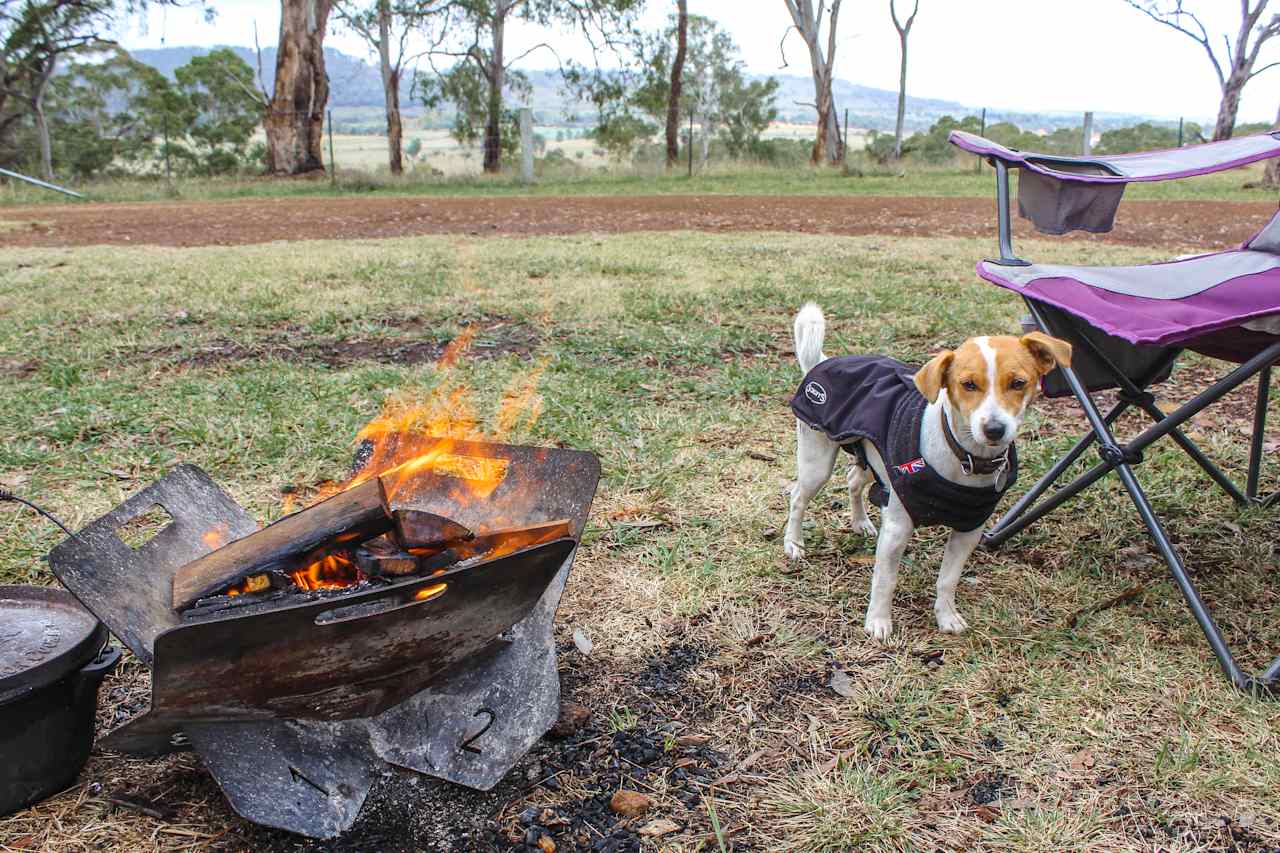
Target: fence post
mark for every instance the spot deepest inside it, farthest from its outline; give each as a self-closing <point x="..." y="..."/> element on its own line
<point x="844" y="142"/>
<point x="982" y="131"/>
<point x="691" y="143"/>
<point x="333" y="164"/>
<point x="1086" y="136"/>
<point x="168" y="172"/>
<point x="526" y="145"/>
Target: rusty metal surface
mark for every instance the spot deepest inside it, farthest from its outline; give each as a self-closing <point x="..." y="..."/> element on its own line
<point x="472" y="727"/>
<point x="131" y="589"/>
<point x="352" y="656"/>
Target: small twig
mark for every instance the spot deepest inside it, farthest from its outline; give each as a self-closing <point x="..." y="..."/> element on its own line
<point x="1126" y="596"/>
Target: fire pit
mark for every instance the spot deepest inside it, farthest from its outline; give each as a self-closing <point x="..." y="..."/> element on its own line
<point x="406" y="620"/>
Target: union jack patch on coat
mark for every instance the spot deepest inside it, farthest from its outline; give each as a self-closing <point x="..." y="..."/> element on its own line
<point x="915" y="466"/>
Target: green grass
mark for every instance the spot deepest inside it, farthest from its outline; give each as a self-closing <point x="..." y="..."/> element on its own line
<point x="669" y="355"/>
<point x="911" y="180"/>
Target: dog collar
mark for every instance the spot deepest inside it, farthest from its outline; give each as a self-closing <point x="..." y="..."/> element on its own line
<point x="969" y="463"/>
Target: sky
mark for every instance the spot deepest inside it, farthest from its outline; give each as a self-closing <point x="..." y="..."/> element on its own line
<point x="1029" y="55"/>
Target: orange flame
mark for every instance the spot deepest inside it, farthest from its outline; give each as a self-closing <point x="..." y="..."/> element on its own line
<point x="409" y="440"/>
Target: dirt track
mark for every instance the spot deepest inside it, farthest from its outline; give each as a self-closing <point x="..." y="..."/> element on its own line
<point x="1158" y="223"/>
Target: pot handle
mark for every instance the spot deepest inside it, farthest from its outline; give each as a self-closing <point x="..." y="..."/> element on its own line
<point x="92" y="673"/>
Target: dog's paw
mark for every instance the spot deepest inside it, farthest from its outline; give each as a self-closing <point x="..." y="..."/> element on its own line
<point x="794" y="550"/>
<point x="950" y="621"/>
<point x="879" y="628"/>
<point x="866" y="528"/>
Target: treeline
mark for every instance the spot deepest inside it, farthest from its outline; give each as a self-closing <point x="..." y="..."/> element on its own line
<point x="108" y="114"/>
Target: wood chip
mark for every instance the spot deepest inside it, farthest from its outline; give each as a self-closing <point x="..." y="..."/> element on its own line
<point x="658" y="827"/>
<point x="762" y="456"/>
<point x="630" y="803"/>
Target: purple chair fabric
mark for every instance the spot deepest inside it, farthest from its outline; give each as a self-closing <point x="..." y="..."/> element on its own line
<point x="1130" y="168"/>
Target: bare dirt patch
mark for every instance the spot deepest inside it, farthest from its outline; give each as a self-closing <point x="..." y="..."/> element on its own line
<point x="205" y="223"/>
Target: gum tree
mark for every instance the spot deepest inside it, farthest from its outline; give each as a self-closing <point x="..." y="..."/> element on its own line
<point x="475" y="39"/>
<point x="1235" y="64"/>
<point x="904" y="31"/>
<point x="808" y="22"/>
<point x="294" y="119"/>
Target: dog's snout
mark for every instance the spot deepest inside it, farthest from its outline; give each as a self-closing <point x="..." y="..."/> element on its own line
<point x="993" y="430"/>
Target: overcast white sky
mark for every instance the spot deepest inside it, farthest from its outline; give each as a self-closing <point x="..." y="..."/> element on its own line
<point x="1015" y="54"/>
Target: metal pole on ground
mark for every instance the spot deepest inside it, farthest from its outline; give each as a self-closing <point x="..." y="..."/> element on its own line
<point x="39" y="183"/>
<point x="333" y="164"/>
<point x="1086" y="136"/>
<point x="526" y="145"/>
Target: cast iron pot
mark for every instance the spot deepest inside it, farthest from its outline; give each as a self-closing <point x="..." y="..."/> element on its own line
<point x="53" y="657"/>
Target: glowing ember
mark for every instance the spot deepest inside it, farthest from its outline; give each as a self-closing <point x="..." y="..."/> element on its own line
<point x="429" y="592"/>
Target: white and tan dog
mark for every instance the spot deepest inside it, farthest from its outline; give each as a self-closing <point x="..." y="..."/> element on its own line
<point x="953" y="433"/>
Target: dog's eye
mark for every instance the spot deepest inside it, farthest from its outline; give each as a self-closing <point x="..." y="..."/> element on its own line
<point x="969" y="385"/>
<point x="1018" y="384"/>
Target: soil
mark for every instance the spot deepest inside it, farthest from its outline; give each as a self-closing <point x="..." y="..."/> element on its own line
<point x="225" y="223"/>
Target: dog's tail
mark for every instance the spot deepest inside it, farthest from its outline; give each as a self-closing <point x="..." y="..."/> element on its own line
<point x="810" y="329"/>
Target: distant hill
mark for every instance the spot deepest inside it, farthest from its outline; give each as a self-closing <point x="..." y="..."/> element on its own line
<point x="356" y="83"/>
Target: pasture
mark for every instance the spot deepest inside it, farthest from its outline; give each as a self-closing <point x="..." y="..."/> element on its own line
<point x="1049" y="726"/>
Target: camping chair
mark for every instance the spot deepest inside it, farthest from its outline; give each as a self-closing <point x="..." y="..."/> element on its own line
<point x="1129" y="325"/>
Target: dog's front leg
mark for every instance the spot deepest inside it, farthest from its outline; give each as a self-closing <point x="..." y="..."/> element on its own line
<point x="959" y="547"/>
<point x="895" y="531"/>
<point x="815" y="457"/>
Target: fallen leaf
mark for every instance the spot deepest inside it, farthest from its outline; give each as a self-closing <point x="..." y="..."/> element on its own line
<point x="762" y="456"/>
<point x="693" y="740"/>
<point x="582" y="641"/>
<point x="986" y="814"/>
<point x="657" y="827"/>
<point x="750" y="760"/>
<point x="1082" y="760"/>
<point x="546" y="844"/>
<point x="842" y="684"/>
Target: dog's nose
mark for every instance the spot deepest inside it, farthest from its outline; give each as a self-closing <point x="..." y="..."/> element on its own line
<point x="993" y="430"/>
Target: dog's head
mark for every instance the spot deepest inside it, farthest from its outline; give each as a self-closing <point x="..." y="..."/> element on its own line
<point x="990" y="380"/>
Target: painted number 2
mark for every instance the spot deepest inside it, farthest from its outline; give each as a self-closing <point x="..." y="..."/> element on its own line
<point x="466" y="745"/>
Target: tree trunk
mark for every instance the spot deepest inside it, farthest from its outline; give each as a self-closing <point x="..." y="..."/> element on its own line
<point x="826" y="145"/>
<point x="902" y="98"/>
<point x="295" y="116"/>
<point x="496" y="74"/>
<point x="1230" y="105"/>
<point x="390" y="89"/>
<point x="42" y="123"/>
<point x="1271" y="177"/>
<point x="677" y="75"/>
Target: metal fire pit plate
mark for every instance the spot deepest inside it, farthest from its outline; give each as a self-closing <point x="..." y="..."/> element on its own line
<point x="296" y="710"/>
<point x="131" y="589"/>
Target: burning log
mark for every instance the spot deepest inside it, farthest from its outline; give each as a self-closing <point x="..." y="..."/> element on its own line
<point x="291" y="544"/>
<point x="420" y="530"/>
<point x="498" y="543"/>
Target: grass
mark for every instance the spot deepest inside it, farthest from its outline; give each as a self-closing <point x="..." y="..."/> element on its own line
<point x="669" y="355"/>
<point x="726" y="178"/>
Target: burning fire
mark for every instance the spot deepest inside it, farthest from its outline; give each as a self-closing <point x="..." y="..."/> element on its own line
<point x="411" y="440"/>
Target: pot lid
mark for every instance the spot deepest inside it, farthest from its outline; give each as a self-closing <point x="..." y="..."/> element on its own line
<point x="44" y="634"/>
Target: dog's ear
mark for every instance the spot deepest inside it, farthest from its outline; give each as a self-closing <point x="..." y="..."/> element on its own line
<point x="1048" y="352"/>
<point x="931" y="378"/>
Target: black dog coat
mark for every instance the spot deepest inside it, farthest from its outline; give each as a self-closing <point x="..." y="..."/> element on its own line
<point x="874" y="398"/>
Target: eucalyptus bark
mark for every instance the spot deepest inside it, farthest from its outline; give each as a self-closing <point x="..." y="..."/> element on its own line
<point x="904" y="30"/>
<point x="390" y="89"/>
<point x="807" y="22"/>
<point x="497" y="77"/>
<point x="295" y="115"/>
<point x="1271" y="177"/>
<point x="1232" y="88"/>
<point x="677" y="75"/>
<point x="41" y="120"/>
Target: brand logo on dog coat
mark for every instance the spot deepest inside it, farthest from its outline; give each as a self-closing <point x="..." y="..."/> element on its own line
<point x="915" y="466"/>
<point x="816" y="393"/>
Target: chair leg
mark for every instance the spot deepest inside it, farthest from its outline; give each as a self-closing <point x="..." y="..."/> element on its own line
<point x="1197" y="455"/>
<point x="1259" y="432"/>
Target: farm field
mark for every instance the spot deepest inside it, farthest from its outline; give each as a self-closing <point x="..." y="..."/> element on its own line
<point x="130" y="341"/>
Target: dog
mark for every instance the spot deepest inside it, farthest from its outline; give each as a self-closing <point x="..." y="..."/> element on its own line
<point x="936" y="446"/>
